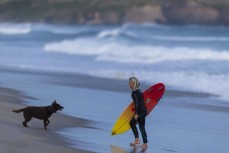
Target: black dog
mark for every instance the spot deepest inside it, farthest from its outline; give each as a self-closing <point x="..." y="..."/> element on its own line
<point x="42" y="113"/>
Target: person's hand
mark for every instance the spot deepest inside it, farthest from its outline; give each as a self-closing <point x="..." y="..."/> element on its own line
<point x="136" y="116"/>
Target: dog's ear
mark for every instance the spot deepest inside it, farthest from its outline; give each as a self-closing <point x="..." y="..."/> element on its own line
<point x="54" y="102"/>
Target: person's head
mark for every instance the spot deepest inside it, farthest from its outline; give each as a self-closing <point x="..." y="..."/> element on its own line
<point x="134" y="83"/>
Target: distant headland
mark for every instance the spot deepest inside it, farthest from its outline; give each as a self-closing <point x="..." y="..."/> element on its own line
<point x="95" y="12"/>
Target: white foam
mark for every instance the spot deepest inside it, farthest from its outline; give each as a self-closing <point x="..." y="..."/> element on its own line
<point x="126" y="30"/>
<point x="123" y="53"/>
<point x="14" y="29"/>
<point x="79" y="47"/>
<point x="190" y="81"/>
<point x="107" y="33"/>
<point x="118" y="32"/>
<point x="115" y="33"/>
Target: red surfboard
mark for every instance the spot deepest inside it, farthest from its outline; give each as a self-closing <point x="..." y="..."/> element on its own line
<point x="153" y="95"/>
<point x="151" y="98"/>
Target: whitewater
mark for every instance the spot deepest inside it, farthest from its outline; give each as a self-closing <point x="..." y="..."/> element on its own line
<point x="190" y="58"/>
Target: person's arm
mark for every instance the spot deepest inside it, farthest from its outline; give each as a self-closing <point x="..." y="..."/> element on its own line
<point x="137" y="104"/>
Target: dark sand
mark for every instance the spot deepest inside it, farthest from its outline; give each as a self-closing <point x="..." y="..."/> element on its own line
<point x="17" y="139"/>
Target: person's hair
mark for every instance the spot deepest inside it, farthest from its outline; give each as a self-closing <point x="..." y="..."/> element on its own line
<point x="136" y="82"/>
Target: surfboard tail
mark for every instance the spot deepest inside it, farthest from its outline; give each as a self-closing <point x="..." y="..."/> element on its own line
<point x="113" y="133"/>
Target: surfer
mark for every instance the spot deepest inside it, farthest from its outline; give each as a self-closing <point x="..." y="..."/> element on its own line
<point x="140" y="113"/>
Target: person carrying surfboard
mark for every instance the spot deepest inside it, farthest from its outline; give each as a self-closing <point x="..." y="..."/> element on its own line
<point x="140" y="113"/>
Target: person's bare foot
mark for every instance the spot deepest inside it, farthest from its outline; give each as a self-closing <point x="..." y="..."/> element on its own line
<point x="144" y="146"/>
<point x="137" y="141"/>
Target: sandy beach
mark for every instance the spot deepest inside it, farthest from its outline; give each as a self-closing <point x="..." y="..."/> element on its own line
<point x="183" y="122"/>
<point x="17" y="139"/>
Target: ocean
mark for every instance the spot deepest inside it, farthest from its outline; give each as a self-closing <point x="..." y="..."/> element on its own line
<point x="194" y="58"/>
<point x="185" y="58"/>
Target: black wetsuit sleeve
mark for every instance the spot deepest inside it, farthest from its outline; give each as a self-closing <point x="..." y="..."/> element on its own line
<point x="137" y="103"/>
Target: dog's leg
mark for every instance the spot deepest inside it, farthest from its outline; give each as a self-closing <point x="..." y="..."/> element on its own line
<point x="27" y="119"/>
<point x="46" y="123"/>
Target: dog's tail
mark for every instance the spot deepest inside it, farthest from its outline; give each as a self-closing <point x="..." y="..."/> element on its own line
<point x="18" y="110"/>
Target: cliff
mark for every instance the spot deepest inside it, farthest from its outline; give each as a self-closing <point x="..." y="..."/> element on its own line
<point x="116" y="11"/>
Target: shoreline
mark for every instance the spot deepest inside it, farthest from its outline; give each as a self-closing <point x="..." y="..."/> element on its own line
<point x="16" y="138"/>
<point x="94" y="82"/>
<point x="181" y="104"/>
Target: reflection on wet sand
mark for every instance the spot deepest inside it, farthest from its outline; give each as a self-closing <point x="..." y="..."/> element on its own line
<point x="134" y="149"/>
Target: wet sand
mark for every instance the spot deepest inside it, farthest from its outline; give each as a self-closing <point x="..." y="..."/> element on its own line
<point x="17" y="139"/>
<point x="183" y="122"/>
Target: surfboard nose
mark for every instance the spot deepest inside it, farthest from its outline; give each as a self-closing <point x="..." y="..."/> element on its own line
<point x="113" y="132"/>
